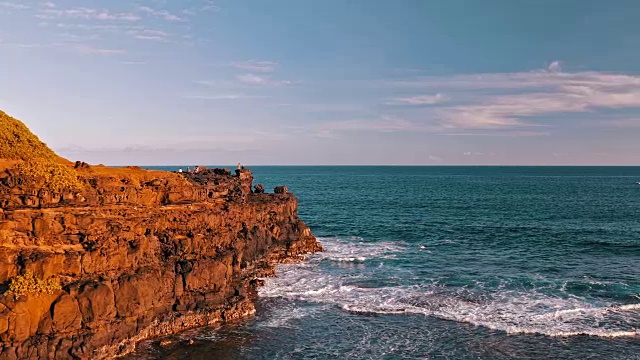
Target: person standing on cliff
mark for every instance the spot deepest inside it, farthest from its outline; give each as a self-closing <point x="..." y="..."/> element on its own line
<point x="240" y="166"/>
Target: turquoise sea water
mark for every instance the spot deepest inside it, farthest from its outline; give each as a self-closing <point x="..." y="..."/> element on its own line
<point x="448" y="263"/>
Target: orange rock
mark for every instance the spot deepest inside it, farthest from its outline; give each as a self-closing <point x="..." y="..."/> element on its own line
<point x="137" y="250"/>
<point x="66" y="315"/>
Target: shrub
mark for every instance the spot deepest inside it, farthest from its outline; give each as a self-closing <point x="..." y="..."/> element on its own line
<point x="28" y="284"/>
<point x="57" y="177"/>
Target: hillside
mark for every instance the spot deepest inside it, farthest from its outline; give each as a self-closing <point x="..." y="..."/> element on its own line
<point x="22" y="149"/>
<point x="17" y="142"/>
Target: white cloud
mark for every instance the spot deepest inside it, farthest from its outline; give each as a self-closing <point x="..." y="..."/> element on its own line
<point x="519" y="80"/>
<point x="220" y="97"/>
<point x="86" y="14"/>
<point x="257" y="66"/>
<point x="26" y="45"/>
<point x="509" y="110"/>
<point x="252" y="79"/>
<point x="33" y="46"/>
<point x="520" y="104"/>
<point x="210" y="6"/>
<point x="421" y="100"/>
<point x="13" y="5"/>
<point x="163" y="14"/>
<point x="555" y="66"/>
<point x="504" y="133"/>
<point x="99" y="51"/>
<point x="258" y="80"/>
<point x="99" y="27"/>
<point x="148" y="34"/>
<point x="514" y="100"/>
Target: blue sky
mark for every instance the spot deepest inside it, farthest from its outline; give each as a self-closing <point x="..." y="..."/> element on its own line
<point x="326" y="82"/>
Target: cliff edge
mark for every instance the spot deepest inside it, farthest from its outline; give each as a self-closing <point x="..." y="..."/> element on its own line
<point x="94" y="259"/>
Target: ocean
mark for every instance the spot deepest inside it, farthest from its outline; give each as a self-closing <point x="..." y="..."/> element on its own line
<point x="447" y="262"/>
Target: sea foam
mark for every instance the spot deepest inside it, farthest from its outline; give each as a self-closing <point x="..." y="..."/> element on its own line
<point x="511" y="311"/>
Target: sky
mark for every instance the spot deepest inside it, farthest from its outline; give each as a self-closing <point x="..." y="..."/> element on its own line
<point x="332" y="82"/>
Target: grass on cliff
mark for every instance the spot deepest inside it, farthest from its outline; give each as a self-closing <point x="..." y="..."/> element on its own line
<point x="32" y="157"/>
<point x="28" y="284"/>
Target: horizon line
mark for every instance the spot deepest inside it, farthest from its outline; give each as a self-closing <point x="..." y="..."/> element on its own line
<point x="389" y="165"/>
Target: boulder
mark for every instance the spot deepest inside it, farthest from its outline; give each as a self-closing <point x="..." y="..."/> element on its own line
<point x="224" y="172"/>
<point x="281" y="190"/>
<point x="97" y="302"/>
<point x="66" y="314"/>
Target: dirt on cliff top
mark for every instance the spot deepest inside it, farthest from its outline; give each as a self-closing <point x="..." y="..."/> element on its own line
<point x="133" y="174"/>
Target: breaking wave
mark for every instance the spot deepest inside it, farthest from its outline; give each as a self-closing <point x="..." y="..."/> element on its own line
<point x="511" y="311"/>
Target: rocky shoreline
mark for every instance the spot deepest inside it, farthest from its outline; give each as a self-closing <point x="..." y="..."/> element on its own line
<point x="138" y="254"/>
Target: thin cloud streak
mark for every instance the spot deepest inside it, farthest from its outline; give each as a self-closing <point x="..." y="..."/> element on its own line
<point x="420" y="100"/>
<point x="159" y="13"/>
<point x="99" y="51"/>
<point x="85" y="14"/>
<point x="522" y="80"/>
<point x="257" y="66"/>
<point x="13" y="5"/>
<point x="509" y="133"/>
<point x="257" y="80"/>
<point x="221" y="97"/>
<point x="148" y="34"/>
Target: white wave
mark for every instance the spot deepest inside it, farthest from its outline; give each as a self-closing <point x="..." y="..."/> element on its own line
<point x="283" y="316"/>
<point x="505" y="310"/>
<point x="356" y="250"/>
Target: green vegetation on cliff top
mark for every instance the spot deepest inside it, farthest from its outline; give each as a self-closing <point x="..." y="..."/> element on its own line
<point x="17" y="142"/>
<point x="35" y="158"/>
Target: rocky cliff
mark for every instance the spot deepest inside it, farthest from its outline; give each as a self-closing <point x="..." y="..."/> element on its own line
<point x="89" y="268"/>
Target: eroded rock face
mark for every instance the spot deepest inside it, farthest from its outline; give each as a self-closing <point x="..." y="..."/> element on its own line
<point x="137" y="260"/>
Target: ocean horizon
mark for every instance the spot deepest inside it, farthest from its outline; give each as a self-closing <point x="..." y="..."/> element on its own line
<point x="456" y="262"/>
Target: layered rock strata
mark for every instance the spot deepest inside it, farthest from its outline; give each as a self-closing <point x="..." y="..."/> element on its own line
<point x="138" y="254"/>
